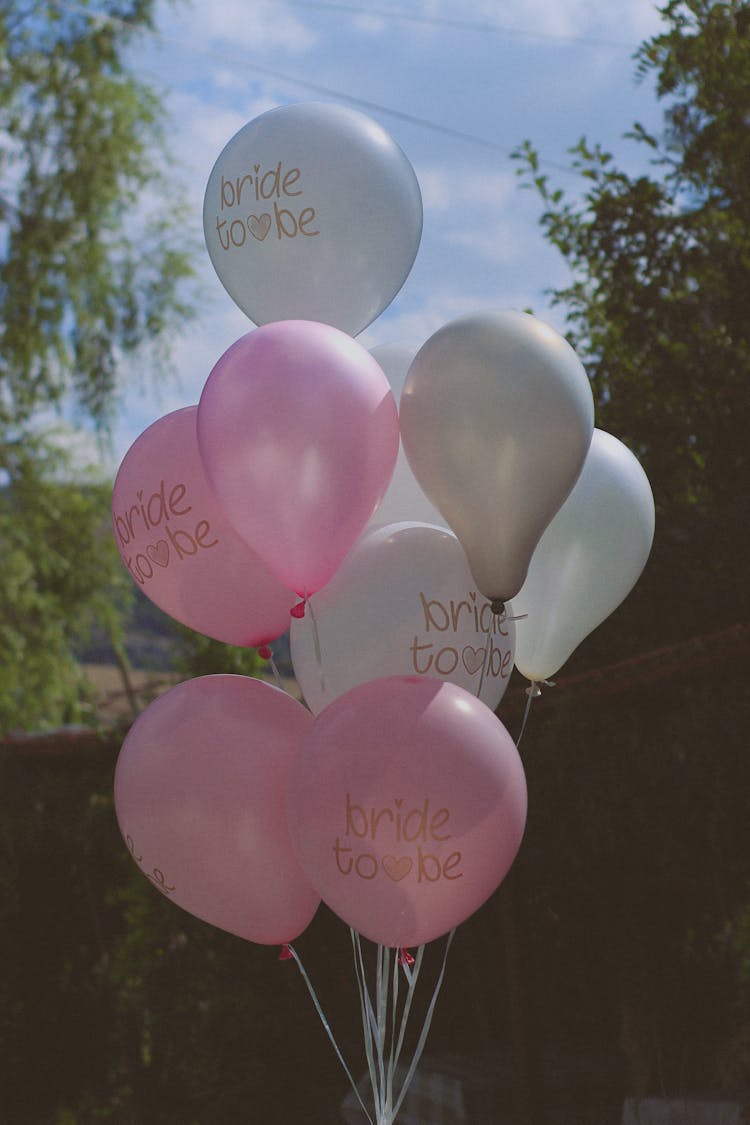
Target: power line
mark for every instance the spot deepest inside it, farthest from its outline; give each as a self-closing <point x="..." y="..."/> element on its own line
<point x="364" y="103"/>
<point x="463" y="25"/>
<point x="301" y="83"/>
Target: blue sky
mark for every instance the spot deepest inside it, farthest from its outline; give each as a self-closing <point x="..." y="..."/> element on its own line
<point x="548" y="70"/>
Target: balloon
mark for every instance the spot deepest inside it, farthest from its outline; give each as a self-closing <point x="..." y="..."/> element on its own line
<point x="588" y="559"/>
<point x="407" y="807"/>
<point x="402" y="602"/>
<point x="201" y="794"/>
<point x="496" y="419"/>
<point x="404" y="499"/>
<point x="179" y="547"/>
<point x="298" y="431"/>
<point x="312" y="212"/>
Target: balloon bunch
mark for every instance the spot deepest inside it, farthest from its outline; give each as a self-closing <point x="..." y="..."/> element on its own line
<point x="298" y="495"/>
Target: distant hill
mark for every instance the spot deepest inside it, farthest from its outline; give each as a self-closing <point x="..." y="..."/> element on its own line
<point x="151" y="639"/>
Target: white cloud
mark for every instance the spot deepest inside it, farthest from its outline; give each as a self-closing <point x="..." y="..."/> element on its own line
<point x="498" y="244"/>
<point x="444" y="188"/>
<point x="263" y="25"/>
<point x="371" y="25"/>
<point x="626" y="21"/>
<point x="416" y="324"/>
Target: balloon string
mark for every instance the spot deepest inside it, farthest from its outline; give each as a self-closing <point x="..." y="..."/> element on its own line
<point x="384" y="1032"/>
<point x="381" y="992"/>
<point x="412" y="975"/>
<point x="316" y="646"/>
<point x="397" y="958"/>
<point x="486" y="657"/>
<point x="425" y="1031"/>
<point x="488" y="643"/>
<point x="533" y="691"/>
<point x="328" y="1030"/>
<point x="265" y="652"/>
<point x="368" y="1019"/>
<point x="276" y="676"/>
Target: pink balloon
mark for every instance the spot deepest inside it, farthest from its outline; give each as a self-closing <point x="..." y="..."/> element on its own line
<point x="201" y="794"/>
<point x="298" y="430"/>
<point x="180" y="548"/>
<point x="407" y="807"/>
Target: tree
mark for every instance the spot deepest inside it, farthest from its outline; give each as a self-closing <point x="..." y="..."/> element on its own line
<point x="91" y="276"/>
<point x="657" y="309"/>
<point x="645" y="797"/>
<point x="60" y="572"/>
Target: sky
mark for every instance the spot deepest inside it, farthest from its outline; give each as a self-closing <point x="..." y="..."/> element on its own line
<point x="457" y="88"/>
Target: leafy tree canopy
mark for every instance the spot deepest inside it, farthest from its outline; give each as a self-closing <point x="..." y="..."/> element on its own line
<point x="88" y="273"/>
<point x="60" y="574"/>
<point x="94" y="269"/>
<point x="657" y="308"/>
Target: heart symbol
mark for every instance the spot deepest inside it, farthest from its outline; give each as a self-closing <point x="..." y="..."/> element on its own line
<point x="397" y="868"/>
<point x="473" y="659"/>
<point x="159" y="552"/>
<point x="259" y="225"/>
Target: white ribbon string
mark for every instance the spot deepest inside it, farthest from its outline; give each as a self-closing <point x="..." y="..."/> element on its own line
<point x="277" y="678"/>
<point x="328" y="1030"/>
<point x="533" y="691"/>
<point x="384" y="1032"/>
<point x="423" y="1036"/>
<point x="379" y="1024"/>
<point x="316" y="646"/>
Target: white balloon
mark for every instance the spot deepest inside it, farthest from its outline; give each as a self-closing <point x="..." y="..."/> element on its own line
<point x="403" y="602"/>
<point x="404" y="499"/>
<point x="312" y="212"/>
<point x="588" y="559"/>
<point x="496" y="418"/>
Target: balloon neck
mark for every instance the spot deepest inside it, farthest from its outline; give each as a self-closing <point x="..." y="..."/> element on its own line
<point x="298" y="611"/>
<point x="497" y="605"/>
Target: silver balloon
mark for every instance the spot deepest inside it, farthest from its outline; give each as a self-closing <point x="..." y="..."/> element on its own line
<point x="496" y="419"/>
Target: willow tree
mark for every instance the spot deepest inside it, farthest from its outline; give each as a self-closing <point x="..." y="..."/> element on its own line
<point x="93" y="274"/>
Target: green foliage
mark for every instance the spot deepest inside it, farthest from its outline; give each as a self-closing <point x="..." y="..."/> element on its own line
<point x="94" y="271"/>
<point x="89" y="273"/>
<point x="647" y="858"/>
<point x="636" y="859"/>
<point x="60" y="574"/>
<point x="657" y="308"/>
<point x="116" y="1005"/>
<point x="197" y="655"/>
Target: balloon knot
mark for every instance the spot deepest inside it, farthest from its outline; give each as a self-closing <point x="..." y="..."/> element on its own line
<point x="264" y="652"/>
<point x="405" y="958"/>
<point x="285" y="953"/>
<point x="298" y="611"/>
<point x="535" y="687"/>
<point x="497" y="605"/>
